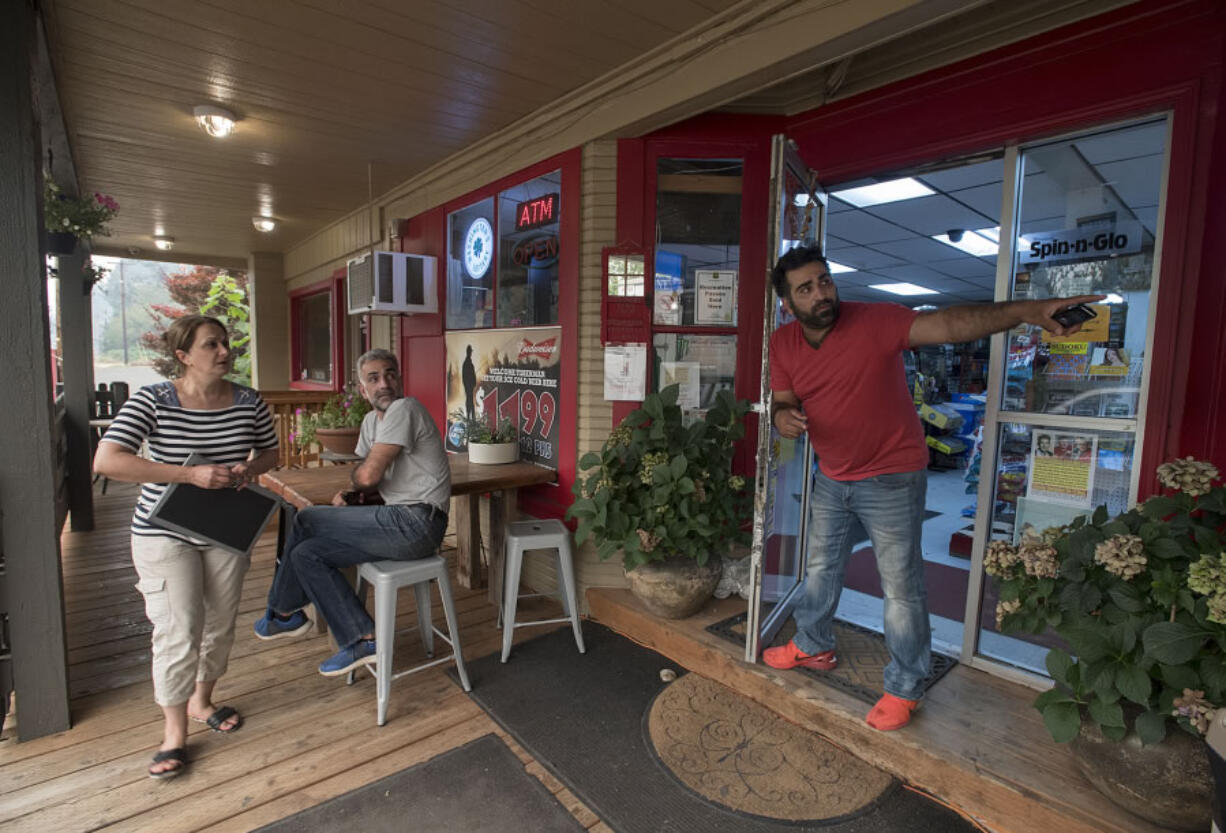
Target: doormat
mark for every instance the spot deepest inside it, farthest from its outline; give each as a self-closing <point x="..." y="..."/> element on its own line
<point x="587" y="718"/>
<point x="861" y="652"/>
<point x="481" y="787"/>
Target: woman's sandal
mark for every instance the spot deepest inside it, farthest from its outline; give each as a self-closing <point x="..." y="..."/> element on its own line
<point x="178" y="755"/>
<point x="219" y="717"/>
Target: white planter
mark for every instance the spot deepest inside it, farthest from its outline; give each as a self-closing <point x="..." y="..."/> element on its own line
<point x="488" y="453"/>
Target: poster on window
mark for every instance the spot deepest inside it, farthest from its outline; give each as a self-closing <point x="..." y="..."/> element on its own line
<point x="512" y="374"/>
<point x="715" y="301"/>
<point x="1062" y="467"/>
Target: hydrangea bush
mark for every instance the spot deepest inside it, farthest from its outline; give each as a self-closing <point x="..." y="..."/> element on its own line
<point x="660" y="488"/>
<point x="1141" y="601"/>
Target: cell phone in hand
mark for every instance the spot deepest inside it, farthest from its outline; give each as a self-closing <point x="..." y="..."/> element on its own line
<point x="1074" y="315"/>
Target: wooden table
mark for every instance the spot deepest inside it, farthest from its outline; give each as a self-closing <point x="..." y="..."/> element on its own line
<point x="316" y="487"/>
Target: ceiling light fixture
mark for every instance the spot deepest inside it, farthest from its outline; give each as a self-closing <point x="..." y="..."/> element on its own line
<point x="218" y="122"/>
<point x="163" y="242"/>
<point x="264" y="224"/>
<point x="837" y="268"/>
<point x="883" y="192"/>
<point x="903" y="289"/>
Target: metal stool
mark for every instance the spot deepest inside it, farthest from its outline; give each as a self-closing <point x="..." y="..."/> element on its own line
<point x="388" y="577"/>
<point x="533" y="535"/>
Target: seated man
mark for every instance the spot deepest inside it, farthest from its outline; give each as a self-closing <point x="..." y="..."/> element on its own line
<point x="405" y="463"/>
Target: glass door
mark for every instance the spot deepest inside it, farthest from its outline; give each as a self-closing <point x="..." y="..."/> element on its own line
<point x="1065" y="416"/>
<point x="797" y="217"/>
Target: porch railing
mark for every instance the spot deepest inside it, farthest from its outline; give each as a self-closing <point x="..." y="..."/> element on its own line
<point x="288" y="407"/>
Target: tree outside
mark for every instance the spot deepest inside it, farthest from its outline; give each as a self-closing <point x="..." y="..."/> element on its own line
<point x="138" y="299"/>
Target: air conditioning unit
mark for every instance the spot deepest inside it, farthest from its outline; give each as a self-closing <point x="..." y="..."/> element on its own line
<point x="392" y="283"/>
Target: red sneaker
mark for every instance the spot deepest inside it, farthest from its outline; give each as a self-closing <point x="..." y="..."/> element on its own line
<point x="891" y="713"/>
<point x="789" y="656"/>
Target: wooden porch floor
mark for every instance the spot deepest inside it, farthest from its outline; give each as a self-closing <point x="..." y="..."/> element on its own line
<point x="306" y="738"/>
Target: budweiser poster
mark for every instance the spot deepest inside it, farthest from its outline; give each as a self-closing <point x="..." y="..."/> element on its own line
<point x="512" y="374"/>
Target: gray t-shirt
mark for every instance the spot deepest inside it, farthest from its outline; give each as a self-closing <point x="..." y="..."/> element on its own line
<point x="421" y="474"/>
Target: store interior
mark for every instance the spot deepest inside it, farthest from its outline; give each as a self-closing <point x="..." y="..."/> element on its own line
<point x="928" y="238"/>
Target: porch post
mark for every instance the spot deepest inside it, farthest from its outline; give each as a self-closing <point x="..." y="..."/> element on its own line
<point x="30" y="590"/>
<point x="77" y="340"/>
<point x="269" y="321"/>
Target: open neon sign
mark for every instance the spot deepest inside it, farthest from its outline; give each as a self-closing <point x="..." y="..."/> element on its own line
<point x="538" y="212"/>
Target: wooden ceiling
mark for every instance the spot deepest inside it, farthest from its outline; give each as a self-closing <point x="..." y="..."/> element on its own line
<point x="337" y="101"/>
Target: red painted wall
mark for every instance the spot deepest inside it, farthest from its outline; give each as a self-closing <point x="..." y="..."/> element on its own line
<point x="1150" y="57"/>
<point x="423" y="348"/>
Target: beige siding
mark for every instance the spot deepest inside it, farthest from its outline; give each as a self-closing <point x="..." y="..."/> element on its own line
<point x="597" y="229"/>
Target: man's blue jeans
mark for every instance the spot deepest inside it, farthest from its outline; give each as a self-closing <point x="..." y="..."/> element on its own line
<point x="324" y="539"/>
<point x="891" y="508"/>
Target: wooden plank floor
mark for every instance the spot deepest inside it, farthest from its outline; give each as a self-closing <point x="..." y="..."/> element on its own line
<point x="306" y="738"/>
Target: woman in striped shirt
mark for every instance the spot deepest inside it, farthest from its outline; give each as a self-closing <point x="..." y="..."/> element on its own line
<point x="191" y="588"/>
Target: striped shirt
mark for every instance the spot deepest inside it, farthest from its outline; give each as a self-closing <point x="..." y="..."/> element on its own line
<point x="154" y="416"/>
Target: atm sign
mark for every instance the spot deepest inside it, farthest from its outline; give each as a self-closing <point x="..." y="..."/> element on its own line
<point x="538" y="212"/>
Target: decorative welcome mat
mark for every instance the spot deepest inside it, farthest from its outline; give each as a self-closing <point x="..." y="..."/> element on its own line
<point x="861" y="652"/>
<point x="587" y="718"/>
<point x="734" y="752"/>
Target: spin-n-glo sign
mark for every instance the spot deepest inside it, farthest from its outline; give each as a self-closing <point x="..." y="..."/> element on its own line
<point x="1081" y="243"/>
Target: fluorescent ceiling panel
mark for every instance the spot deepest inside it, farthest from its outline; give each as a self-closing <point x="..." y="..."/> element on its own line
<point x="883" y="192"/>
<point x="903" y="289"/>
<point x="836" y="268"/>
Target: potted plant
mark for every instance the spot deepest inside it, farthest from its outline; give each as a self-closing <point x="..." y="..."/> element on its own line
<point x="69" y="219"/>
<point x="488" y="445"/>
<point x="662" y="493"/>
<point x="1140" y="600"/>
<point x="335" y="426"/>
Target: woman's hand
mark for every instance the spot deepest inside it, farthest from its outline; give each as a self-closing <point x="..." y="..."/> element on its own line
<point x="241" y="475"/>
<point x="210" y="476"/>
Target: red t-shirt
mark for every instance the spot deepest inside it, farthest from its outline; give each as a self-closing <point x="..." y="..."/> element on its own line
<point x="862" y="419"/>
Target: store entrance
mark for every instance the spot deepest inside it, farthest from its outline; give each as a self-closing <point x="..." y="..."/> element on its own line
<point x="927" y="240"/>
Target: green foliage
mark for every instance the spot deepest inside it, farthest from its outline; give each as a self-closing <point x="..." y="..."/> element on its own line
<point x="83" y="216"/>
<point x="344" y="410"/>
<point x="660" y="488"/>
<point x="205" y="290"/>
<point x="477" y="429"/>
<point x="1140" y="599"/>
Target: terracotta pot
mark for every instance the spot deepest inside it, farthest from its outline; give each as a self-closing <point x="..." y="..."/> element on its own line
<point x="337" y="440"/>
<point x="675" y="587"/>
<point x="1167" y="783"/>
<point x="492" y="453"/>
<point x="61" y="242"/>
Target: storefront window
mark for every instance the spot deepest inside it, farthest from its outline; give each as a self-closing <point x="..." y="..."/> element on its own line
<point x="1047" y="476"/>
<point x="1088" y="221"/>
<point x="702" y="365"/>
<point x="528" y="239"/>
<point x="698" y="252"/>
<point x="470" y="266"/>
<point x="313" y="329"/>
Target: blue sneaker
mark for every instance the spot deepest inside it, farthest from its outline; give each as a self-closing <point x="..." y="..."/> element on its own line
<point x="269" y="626"/>
<point x="345" y="660"/>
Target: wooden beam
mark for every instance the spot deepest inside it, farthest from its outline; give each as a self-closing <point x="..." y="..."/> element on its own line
<point x="31" y="591"/>
<point x="77" y="343"/>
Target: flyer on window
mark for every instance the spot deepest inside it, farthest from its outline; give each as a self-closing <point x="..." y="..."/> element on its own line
<point x="625" y="372"/>
<point x="1062" y="466"/>
<point x="685" y="375"/>
<point x="715" y="293"/>
<point x="508" y="373"/>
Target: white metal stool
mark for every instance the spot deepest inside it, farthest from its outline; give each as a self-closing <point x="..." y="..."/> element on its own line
<point x="388" y="577"/>
<point x="534" y="535"/>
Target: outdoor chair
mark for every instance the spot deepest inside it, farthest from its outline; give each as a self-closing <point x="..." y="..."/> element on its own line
<point x="533" y="535"/>
<point x="388" y="577"/>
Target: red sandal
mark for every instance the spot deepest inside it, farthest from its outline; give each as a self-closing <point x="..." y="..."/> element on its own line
<point x="789" y="656"/>
<point x="891" y="713"/>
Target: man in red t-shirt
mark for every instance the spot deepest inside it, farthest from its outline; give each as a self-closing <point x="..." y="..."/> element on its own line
<point x="837" y="372"/>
